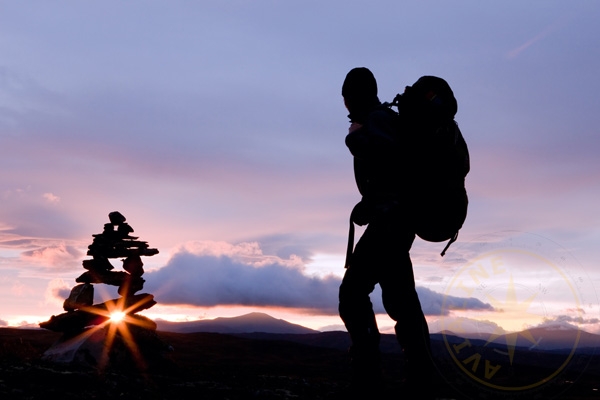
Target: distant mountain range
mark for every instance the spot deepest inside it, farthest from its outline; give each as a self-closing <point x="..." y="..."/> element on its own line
<point x="248" y="323"/>
<point x="263" y="326"/>
<point x="545" y="338"/>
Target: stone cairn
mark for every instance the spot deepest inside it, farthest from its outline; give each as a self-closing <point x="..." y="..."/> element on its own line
<point x="82" y="315"/>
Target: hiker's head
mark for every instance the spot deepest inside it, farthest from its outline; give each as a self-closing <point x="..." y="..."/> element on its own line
<point x="360" y="91"/>
<point x="431" y="97"/>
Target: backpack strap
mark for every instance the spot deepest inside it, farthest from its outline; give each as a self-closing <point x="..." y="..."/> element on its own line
<point x="452" y="240"/>
<point x="350" y="247"/>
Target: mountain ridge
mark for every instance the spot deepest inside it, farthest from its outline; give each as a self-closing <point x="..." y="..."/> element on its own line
<point x="545" y="338"/>
<point x="248" y="323"/>
<point x="256" y="323"/>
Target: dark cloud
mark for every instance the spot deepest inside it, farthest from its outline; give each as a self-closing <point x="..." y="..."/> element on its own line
<point x="211" y="280"/>
<point x="63" y="293"/>
<point x="222" y="280"/>
<point x="434" y="303"/>
<point x="568" y="320"/>
<point x="57" y="291"/>
<point x="3" y="323"/>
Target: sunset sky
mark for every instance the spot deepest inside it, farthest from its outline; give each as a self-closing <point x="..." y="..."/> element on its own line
<point x="217" y="128"/>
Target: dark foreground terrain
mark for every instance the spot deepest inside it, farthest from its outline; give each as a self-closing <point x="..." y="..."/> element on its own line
<point x="218" y="366"/>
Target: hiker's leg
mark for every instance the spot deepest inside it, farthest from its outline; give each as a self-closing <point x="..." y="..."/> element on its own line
<point x="356" y="309"/>
<point x="402" y="303"/>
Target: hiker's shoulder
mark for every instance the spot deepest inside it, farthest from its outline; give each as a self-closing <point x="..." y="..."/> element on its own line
<point x="383" y="120"/>
<point x="383" y="112"/>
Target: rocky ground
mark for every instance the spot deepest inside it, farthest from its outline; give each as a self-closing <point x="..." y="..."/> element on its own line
<point x="206" y="366"/>
<point x="202" y="366"/>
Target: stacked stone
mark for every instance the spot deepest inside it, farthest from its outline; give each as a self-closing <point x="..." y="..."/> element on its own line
<point x="113" y="242"/>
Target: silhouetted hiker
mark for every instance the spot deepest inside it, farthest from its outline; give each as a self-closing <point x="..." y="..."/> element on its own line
<point x="383" y="157"/>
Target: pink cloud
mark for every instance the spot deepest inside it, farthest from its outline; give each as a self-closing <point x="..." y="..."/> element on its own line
<point x="58" y="255"/>
<point x="51" y="198"/>
<point x="56" y="292"/>
<point x="249" y="253"/>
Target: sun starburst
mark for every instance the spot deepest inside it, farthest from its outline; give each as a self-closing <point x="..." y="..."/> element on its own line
<point x="117" y="316"/>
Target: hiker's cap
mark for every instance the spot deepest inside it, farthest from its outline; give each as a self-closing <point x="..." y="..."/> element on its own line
<point x="360" y="83"/>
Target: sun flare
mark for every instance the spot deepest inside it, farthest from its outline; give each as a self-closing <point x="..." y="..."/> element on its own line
<point x="117" y="316"/>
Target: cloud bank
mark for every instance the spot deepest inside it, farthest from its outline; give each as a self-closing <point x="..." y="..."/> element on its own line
<point x="211" y="274"/>
<point x="434" y="303"/>
<point x="204" y="275"/>
<point x="571" y="322"/>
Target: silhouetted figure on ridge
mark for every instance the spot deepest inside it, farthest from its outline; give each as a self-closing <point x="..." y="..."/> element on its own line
<point x="386" y="159"/>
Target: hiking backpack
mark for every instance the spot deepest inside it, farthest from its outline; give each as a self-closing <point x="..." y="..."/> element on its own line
<point x="439" y="159"/>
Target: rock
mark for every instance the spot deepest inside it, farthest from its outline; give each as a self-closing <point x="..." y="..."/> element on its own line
<point x="78" y="341"/>
<point x="134" y="265"/>
<point x="74" y="321"/>
<point x="99" y="264"/>
<point x="114" y="278"/>
<point x="149" y="252"/>
<point x="116" y="218"/>
<point x="109" y="231"/>
<point x="124" y="230"/>
<point x="131" y="304"/>
<point x="131" y="285"/>
<point x="119" y="248"/>
<point x="81" y="296"/>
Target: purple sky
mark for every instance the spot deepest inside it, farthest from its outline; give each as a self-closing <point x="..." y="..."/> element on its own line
<point x="218" y="131"/>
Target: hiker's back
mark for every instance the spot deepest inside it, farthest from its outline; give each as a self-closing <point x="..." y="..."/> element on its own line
<point x="375" y="147"/>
